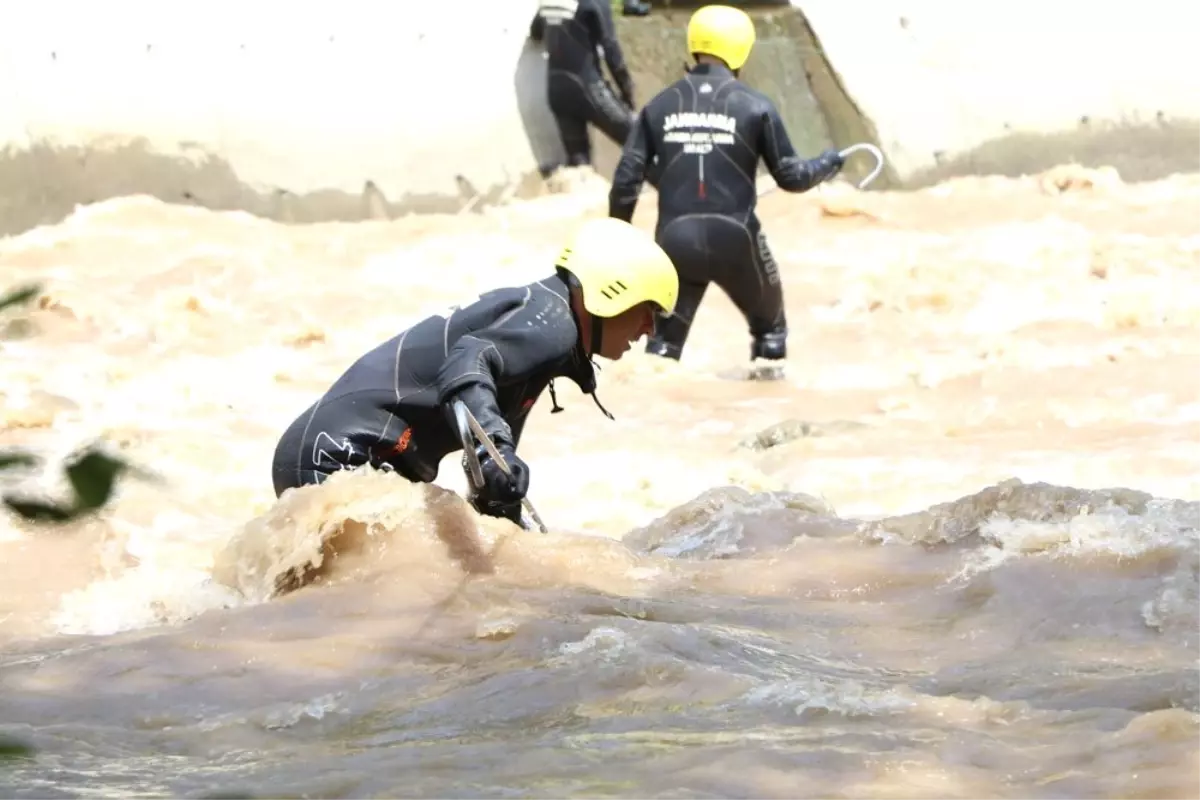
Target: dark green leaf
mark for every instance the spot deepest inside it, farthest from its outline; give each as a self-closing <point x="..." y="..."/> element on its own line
<point x="16" y="459"/>
<point x="14" y="748"/>
<point x="19" y="296"/>
<point x="93" y="477"/>
<point x="39" y="511"/>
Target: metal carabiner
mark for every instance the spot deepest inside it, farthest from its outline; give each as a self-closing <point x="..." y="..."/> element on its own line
<point x="849" y="151"/>
<point x="873" y="150"/>
<point x="470" y="460"/>
<point x="470" y="431"/>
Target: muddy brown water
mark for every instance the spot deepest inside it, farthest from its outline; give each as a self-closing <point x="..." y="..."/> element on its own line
<point x="953" y="554"/>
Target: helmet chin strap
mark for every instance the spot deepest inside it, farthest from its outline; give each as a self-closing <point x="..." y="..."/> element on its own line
<point x="597" y="337"/>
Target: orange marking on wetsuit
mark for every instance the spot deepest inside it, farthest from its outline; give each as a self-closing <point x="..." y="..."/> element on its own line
<point x="701" y="192"/>
<point x="528" y="404"/>
<point x="402" y="443"/>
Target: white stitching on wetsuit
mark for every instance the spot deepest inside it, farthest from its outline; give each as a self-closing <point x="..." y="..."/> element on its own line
<point x="446" y="352"/>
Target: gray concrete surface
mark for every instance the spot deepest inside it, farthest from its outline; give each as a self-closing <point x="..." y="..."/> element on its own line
<point x="951" y="88"/>
<point x="385" y="110"/>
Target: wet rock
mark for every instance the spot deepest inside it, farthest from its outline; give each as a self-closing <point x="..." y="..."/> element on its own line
<point x="792" y="429"/>
<point x="961" y="519"/>
<point x="730" y="522"/>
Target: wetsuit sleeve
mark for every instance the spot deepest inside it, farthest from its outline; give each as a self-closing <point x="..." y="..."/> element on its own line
<point x="528" y="338"/>
<point x="613" y="55"/>
<point x="517" y="426"/>
<point x="636" y="157"/>
<point x="791" y="173"/>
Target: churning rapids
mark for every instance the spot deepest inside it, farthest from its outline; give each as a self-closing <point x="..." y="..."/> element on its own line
<point x="953" y="554"/>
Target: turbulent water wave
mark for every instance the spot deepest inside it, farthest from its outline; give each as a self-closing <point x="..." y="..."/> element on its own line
<point x="759" y="629"/>
<point x="956" y="552"/>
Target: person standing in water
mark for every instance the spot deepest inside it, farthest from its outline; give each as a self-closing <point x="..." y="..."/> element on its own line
<point x="572" y="31"/>
<point x="392" y="408"/>
<point x="703" y="136"/>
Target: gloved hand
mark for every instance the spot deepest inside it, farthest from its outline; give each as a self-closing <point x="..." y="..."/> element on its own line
<point x="625" y="87"/>
<point x="501" y="494"/>
<point x="537" y="28"/>
<point x="826" y="166"/>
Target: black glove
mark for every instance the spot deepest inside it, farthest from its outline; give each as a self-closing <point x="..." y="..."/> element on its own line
<point x="501" y="493"/>
<point x="826" y="166"/>
<point x="625" y="87"/>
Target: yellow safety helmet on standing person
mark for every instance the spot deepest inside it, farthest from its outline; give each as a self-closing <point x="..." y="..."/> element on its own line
<point x="721" y="31"/>
<point x="618" y="266"/>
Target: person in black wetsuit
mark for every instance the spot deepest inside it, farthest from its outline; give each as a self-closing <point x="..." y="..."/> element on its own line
<point x="391" y="408"/>
<point x="571" y="31"/>
<point x="703" y="136"/>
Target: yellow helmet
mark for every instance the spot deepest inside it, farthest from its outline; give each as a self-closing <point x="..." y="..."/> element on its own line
<point x="721" y="31"/>
<point x="618" y="266"/>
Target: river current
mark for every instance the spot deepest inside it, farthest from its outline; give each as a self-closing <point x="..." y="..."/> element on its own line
<point x="953" y="554"/>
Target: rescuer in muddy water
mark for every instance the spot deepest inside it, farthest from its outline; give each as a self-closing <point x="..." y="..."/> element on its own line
<point x="571" y="31"/>
<point x="391" y="408"/>
<point x="704" y="136"/>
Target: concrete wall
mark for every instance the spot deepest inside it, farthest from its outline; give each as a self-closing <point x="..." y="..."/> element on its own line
<point x="951" y="87"/>
<point x="782" y="65"/>
<point x="283" y="109"/>
<point x="304" y="112"/>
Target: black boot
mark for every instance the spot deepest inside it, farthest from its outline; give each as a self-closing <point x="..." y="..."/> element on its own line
<point x="767" y="355"/>
<point x="770" y="346"/>
<point x="657" y="347"/>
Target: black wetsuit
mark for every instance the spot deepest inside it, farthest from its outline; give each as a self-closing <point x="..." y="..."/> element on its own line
<point x="703" y="136"/>
<point x="571" y="30"/>
<point x="389" y="409"/>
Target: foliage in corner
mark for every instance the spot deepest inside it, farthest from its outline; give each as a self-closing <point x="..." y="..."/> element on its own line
<point x="91" y="473"/>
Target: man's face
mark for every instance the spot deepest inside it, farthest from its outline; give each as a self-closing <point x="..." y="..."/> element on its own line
<point x="621" y="331"/>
